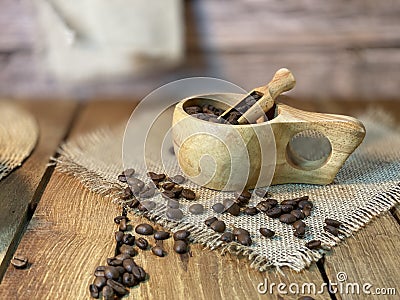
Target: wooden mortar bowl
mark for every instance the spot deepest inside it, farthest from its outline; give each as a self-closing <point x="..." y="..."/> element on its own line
<point x="257" y="155"/>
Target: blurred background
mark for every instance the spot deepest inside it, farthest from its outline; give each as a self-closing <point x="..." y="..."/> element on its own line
<point x="124" y="49"/>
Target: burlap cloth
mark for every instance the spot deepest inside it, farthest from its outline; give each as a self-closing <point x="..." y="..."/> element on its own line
<point x="18" y="136"/>
<point x="366" y="186"/>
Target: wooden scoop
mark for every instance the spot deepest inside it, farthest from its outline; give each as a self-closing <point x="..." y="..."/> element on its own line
<point x="282" y="81"/>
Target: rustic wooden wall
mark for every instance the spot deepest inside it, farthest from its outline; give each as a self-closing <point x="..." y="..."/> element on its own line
<point x="337" y="49"/>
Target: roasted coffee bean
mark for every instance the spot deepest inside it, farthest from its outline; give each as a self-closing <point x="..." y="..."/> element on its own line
<point x="302" y="198"/>
<point x="111" y="272"/>
<point x="117" y="287"/>
<point x="218" y="226"/>
<point x="128" y="280"/>
<point x="142" y="208"/>
<point x="261" y="193"/>
<point x="304" y="203"/>
<point x="196" y="209"/>
<point x="144" y="229"/>
<point x="234" y="209"/>
<point x="150" y="205"/>
<point x="271" y="202"/>
<point x="177" y="190"/>
<point x="332" y="222"/>
<point x="242" y="203"/>
<point x="120" y="269"/>
<point x="99" y="282"/>
<point x="267" y="232"/>
<point x="287" y="218"/>
<point x="141" y="243"/>
<point x="168" y="186"/>
<point x="135" y="184"/>
<point x="129" y="172"/>
<point x="238" y="231"/>
<point x="180" y="247"/>
<point x="188" y="194"/>
<point x="94" y="291"/>
<point x="289" y="202"/>
<point x="209" y="221"/>
<point x="123" y="225"/>
<point x="148" y="191"/>
<point x="128" y="239"/>
<point x="244" y="239"/>
<point x="274" y="212"/>
<point x="218" y="208"/>
<point x="168" y="194"/>
<point x="112" y="261"/>
<point x="156" y="177"/>
<point x="128" y="264"/>
<point x="127" y="194"/>
<point x="108" y="293"/>
<point x="134" y="203"/>
<point x="122" y="178"/>
<point x="139" y="273"/>
<point x="174" y="214"/>
<point x="181" y="235"/>
<point x="118" y="219"/>
<point x="161" y="235"/>
<point x="122" y="256"/>
<point x="314" y="244"/>
<point x="331" y="230"/>
<point x="128" y="250"/>
<point x="193" y="110"/>
<point x="173" y="203"/>
<point x="227" y="237"/>
<point x="19" y="262"/>
<point x="228" y="202"/>
<point x="298" y="224"/>
<point x="286" y="208"/>
<point x="178" y="179"/>
<point x="244" y="194"/>
<point x="263" y="206"/>
<point x="298" y="214"/>
<point x="158" y="251"/>
<point x="99" y="271"/>
<point x="251" y="211"/>
<point x="307" y="211"/>
<point x="300" y="232"/>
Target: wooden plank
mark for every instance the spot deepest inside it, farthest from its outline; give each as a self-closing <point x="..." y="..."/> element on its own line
<point x="18" y="190"/>
<point x="72" y="232"/>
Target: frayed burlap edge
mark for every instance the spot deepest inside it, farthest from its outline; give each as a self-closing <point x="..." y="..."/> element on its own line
<point x="300" y="259"/>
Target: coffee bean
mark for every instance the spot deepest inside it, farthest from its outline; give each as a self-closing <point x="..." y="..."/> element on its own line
<point x="128" y="250"/>
<point x="122" y="225"/>
<point x="332" y="222"/>
<point x="307" y="211"/>
<point x="129" y="172"/>
<point x="227" y="237"/>
<point x="331" y="230"/>
<point x="122" y="256"/>
<point x="135" y="184"/>
<point x="244" y="239"/>
<point x="122" y="178"/>
<point x="178" y="179"/>
<point x="99" y="282"/>
<point x="300" y="232"/>
<point x="181" y="235"/>
<point x="267" y="232"/>
<point x="263" y="206"/>
<point x="193" y="110"/>
<point x="196" y="209"/>
<point x="174" y="214"/>
<point x="161" y="235"/>
<point x="188" y="194"/>
<point x="148" y="191"/>
<point x="141" y="243"/>
<point x="112" y="261"/>
<point x="298" y="224"/>
<point x="150" y="205"/>
<point x="127" y="194"/>
<point x="286" y="208"/>
<point x="261" y="193"/>
<point x="19" y="262"/>
<point x="99" y="271"/>
<point x="108" y="293"/>
<point x="302" y="198"/>
<point x="117" y="287"/>
<point x="314" y="244"/>
<point x="218" y="226"/>
<point x="142" y="208"/>
<point x="209" y="221"/>
<point x="121" y="270"/>
<point x="287" y="218"/>
<point x="134" y="203"/>
<point x="180" y="247"/>
<point x="238" y="231"/>
<point x="168" y="186"/>
<point x="228" y="202"/>
<point x="128" y="280"/>
<point x="218" y="208"/>
<point x="234" y="209"/>
<point x="251" y="211"/>
<point x="118" y="219"/>
<point x="173" y="203"/>
<point x="168" y="194"/>
<point x="94" y="291"/>
<point x="274" y="212"/>
<point x="144" y="229"/>
<point x="128" y="264"/>
<point x="304" y="203"/>
<point x="177" y="190"/>
<point x="128" y="239"/>
<point x="158" y="251"/>
<point x="289" y="202"/>
<point x="271" y="202"/>
<point x="139" y="273"/>
<point x="111" y="272"/>
<point x="298" y="214"/>
<point x="156" y="177"/>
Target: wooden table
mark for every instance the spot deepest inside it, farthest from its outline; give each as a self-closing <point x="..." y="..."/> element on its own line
<point x="66" y="231"/>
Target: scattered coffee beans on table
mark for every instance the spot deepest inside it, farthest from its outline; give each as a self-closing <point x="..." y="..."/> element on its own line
<point x="19" y="262"/>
